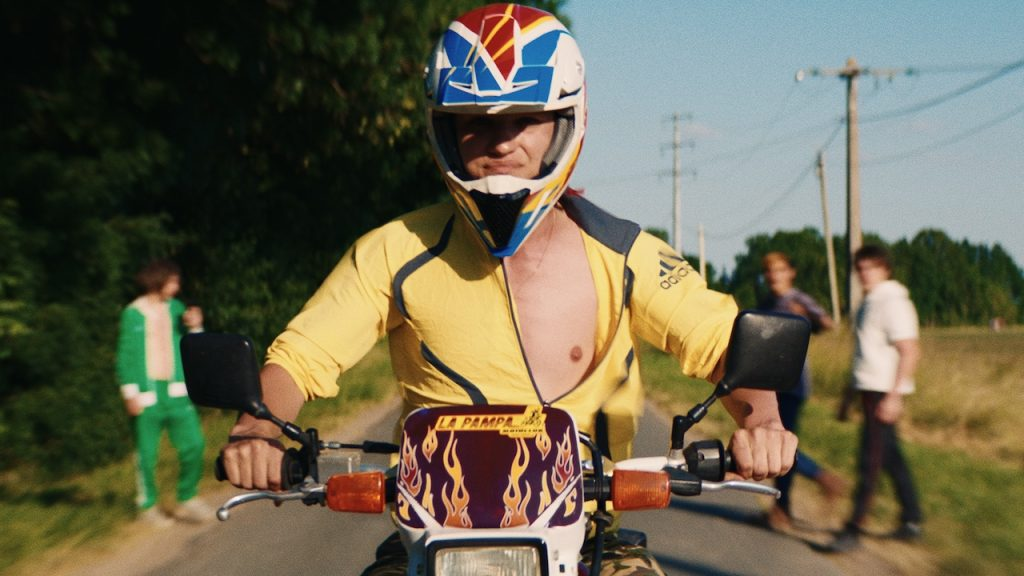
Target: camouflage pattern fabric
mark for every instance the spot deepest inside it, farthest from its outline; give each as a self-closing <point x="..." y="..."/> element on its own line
<point x="619" y="558"/>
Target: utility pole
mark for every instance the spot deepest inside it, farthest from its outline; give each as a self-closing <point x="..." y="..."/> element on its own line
<point x="700" y="244"/>
<point x="854" y="236"/>
<point x="830" y="253"/>
<point x="677" y="182"/>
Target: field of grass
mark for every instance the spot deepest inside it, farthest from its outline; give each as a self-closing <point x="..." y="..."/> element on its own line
<point x="961" y="439"/>
<point x="961" y="436"/>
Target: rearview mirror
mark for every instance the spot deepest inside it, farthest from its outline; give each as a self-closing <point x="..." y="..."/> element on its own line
<point x="221" y="372"/>
<point x="767" y="351"/>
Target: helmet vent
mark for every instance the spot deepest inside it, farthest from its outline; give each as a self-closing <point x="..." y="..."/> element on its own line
<point x="561" y="138"/>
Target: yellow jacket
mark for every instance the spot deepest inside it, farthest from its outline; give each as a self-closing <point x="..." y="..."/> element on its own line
<point x="426" y="281"/>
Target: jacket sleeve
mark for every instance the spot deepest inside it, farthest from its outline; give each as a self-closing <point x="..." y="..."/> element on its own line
<point x="814" y="310"/>
<point x="131" y="353"/>
<point x="341" y="322"/>
<point x="673" y="309"/>
<point x="177" y="309"/>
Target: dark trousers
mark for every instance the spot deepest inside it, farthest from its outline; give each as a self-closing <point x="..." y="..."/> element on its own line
<point x="789" y="411"/>
<point x="880" y="450"/>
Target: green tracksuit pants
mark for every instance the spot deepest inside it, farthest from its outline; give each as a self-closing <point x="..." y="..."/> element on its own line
<point x="178" y="416"/>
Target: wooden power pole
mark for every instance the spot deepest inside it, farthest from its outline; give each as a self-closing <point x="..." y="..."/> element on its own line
<point x="830" y="253"/>
<point x="854" y="236"/>
<point x="677" y="179"/>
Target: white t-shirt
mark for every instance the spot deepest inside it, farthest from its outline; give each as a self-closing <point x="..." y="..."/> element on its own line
<point x="886" y="316"/>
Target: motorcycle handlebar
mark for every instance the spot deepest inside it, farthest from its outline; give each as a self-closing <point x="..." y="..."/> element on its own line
<point x="706" y="464"/>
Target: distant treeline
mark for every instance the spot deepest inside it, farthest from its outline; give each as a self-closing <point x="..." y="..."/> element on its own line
<point x="950" y="282"/>
<point x="252" y="143"/>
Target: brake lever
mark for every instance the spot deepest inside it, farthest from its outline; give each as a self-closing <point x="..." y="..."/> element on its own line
<point x="742" y="486"/>
<point x="309" y="493"/>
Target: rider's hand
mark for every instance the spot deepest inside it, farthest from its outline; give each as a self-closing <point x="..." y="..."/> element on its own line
<point x="253" y="461"/>
<point x="253" y="457"/>
<point x="763" y="452"/>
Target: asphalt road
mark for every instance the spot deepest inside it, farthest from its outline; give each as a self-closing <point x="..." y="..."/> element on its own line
<point x="703" y="536"/>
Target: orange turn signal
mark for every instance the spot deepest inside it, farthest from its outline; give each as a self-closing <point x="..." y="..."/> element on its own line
<point x="357" y="492"/>
<point x="637" y="490"/>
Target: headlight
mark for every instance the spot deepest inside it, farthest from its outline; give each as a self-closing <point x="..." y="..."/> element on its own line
<point x="515" y="560"/>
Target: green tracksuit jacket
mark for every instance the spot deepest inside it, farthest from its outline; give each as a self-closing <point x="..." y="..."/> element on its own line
<point x="165" y="406"/>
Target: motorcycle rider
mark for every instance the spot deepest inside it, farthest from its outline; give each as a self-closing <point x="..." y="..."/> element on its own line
<point x="519" y="290"/>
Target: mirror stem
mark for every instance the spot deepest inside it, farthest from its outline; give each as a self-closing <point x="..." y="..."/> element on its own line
<point x="290" y="430"/>
<point x="682" y="424"/>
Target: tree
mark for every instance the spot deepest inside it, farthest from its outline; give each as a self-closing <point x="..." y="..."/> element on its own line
<point x="253" y="142"/>
<point x="957" y="282"/>
<point x="805" y="249"/>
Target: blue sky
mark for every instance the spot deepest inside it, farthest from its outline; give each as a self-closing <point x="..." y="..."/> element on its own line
<point x="930" y="158"/>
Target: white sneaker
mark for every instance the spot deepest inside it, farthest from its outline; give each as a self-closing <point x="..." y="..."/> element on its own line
<point x="194" y="511"/>
<point x="154" y="517"/>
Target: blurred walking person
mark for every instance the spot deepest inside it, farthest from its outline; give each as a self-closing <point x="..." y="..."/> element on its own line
<point x="784" y="296"/>
<point x="884" y="362"/>
<point x="153" y="387"/>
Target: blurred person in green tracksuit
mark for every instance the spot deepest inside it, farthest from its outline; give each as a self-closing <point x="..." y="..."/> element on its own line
<point x="153" y="387"/>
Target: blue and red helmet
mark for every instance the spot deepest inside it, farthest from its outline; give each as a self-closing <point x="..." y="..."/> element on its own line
<point x="506" y="59"/>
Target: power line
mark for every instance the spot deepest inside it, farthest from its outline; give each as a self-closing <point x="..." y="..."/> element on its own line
<point x="763" y="143"/>
<point x="953" y="140"/>
<point x="774" y="204"/>
<point x="767" y="144"/>
<point x="945" y="97"/>
<point x="957" y="68"/>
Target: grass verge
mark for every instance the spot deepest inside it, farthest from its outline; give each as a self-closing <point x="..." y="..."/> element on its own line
<point x="65" y="515"/>
<point x="961" y="438"/>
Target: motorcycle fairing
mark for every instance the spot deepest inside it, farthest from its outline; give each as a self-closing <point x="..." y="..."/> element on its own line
<point x="474" y="467"/>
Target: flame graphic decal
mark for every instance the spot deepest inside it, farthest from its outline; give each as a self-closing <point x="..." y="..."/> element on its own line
<point x="403" y="507"/>
<point x="410" y="469"/>
<point x="544" y="444"/>
<point x="563" y="471"/>
<point x="515" y="498"/>
<point x="570" y="503"/>
<point x="456" y="501"/>
<point x="429" y="443"/>
<point x="545" y="494"/>
<point x="428" y="498"/>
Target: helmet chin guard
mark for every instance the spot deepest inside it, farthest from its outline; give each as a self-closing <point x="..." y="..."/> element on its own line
<point x="506" y="59"/>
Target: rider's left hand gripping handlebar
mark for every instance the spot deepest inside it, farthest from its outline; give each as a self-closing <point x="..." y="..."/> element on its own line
<point x="292" y="469"/>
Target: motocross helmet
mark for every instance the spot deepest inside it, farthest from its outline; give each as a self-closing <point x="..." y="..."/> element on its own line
<point x="506" y="59"/>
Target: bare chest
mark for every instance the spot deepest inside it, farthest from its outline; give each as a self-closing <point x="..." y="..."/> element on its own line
<point x="556" y="310"/>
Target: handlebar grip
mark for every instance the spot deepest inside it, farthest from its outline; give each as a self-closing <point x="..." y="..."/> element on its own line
<point x="292" y="472"/>
<point x="708" y="460"/>
<point x="218" y="469"/>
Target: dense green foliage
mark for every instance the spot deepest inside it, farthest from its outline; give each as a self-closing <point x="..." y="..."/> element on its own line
<point x="252" y="142"/>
